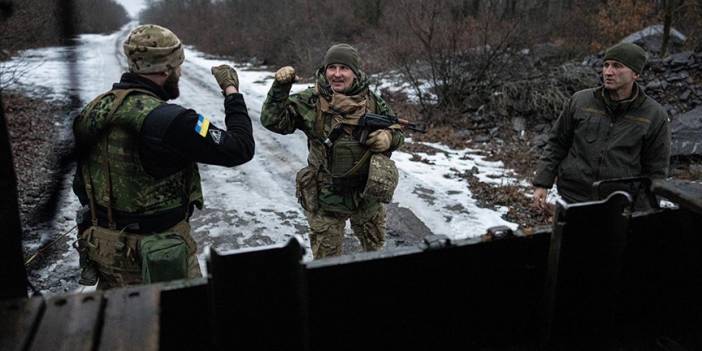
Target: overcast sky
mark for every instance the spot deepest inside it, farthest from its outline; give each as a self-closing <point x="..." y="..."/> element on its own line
<point x="133" y="6"/>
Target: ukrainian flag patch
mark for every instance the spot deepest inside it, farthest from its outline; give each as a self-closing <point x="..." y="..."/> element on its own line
<point x="202" y="125"/>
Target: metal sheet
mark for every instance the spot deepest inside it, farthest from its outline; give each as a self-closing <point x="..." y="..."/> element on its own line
<point x="70" y="323"/>
<point x="131" y="319"/>
<point x="19" y="321"/>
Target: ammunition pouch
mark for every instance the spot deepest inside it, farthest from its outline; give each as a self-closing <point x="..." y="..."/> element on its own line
<point x="164" y="257"/>
<point x="382" y="179"/>
<point x="307" y="188"/>
<point x="114" y="253"/>
<point x="349" y="163"/>
<point x="129" y="258"/>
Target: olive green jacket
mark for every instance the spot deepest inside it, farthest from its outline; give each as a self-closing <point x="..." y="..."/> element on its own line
<point x="283" y="113"/>
<point x="590" y="142"/>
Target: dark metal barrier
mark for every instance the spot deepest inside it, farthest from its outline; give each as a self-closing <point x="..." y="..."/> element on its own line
<point x="258" y="299"/>
<point x="12" y="273"/>
<point x="466" y="294"/>
<point x="661" y="295"/>
<point x="603" y="279"/>
<point x="584" y="270"/>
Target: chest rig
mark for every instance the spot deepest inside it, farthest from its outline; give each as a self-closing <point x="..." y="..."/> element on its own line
<point x="335" y="125"/>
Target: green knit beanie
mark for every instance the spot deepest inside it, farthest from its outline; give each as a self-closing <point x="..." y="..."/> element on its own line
<point x="631" y="55"/>
<point x="344" y="54"/>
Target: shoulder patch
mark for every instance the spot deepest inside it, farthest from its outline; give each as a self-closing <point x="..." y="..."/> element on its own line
<point x="202" y="125"/>
<point x="216" y="135"/>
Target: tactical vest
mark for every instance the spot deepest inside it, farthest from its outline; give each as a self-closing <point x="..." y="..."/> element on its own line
<point x="347" y="158"/>
<point x="109" y="129"/>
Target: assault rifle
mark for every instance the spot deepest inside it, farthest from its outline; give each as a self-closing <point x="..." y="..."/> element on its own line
<point x="371" y="122"/>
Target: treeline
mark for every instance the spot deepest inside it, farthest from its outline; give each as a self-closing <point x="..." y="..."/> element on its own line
<point x="38" y="23"/>
<point x="271" y="32"/>
<point x="298" y="31"/>
<point x="461" y="48"/>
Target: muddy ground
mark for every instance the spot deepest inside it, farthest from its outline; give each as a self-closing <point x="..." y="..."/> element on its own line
<point x="39" y="150"/>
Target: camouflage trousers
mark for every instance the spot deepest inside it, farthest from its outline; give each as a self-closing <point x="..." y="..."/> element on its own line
<point x="327" y="230"/>
<point x="116" y="255"/>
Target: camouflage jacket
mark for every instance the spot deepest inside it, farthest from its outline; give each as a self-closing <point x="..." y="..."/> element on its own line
<point x="283" y="113"/>
<point x="110" y="154"/>
<point x="593" y="141"/>
<point x="151" y="145"/>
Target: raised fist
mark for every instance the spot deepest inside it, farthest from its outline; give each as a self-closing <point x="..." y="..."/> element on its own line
<point x="285" y="75"/>
<point x="225" y="76"/>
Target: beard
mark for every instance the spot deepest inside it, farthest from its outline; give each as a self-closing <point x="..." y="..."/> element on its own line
<point x="171" y="86"/>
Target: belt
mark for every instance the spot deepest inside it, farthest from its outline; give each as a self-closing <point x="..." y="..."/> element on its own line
<point x="140" y="224"/>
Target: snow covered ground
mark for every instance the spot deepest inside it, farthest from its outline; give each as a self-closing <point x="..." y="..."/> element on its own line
<point x="254" y="204"/>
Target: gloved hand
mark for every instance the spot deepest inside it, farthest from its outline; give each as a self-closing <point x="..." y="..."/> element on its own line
<point x="285" y="75"/>
<point x="225" y="76"/>
<point x="379" y="141"/>
<point x="540" y="195"/>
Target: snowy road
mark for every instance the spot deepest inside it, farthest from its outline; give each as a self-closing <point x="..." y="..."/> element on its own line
<point x="254" y="204"/>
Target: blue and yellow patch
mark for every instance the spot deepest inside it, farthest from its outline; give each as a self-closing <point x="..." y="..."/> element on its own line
<point x="203" y="124"/>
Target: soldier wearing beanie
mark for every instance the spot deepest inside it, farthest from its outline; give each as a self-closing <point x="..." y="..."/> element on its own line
<point x="331" y="187"/>
<point x="137" y="175"/>
<point x="612" y="131"/>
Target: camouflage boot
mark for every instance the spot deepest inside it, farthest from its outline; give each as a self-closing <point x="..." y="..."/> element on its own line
<point x="88" y="271"/>
<point x="88" y="275"/>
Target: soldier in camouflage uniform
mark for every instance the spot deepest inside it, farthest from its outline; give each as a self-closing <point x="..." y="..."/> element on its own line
<point x="330" y="188"/>
<point x="137" y="175"/>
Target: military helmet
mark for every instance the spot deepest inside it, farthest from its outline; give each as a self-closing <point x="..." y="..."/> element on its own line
<point x="382" y="179"/>
<point x="152" y="49"/>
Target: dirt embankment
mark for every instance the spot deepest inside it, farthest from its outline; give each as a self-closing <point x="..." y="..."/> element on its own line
<point x="517" y="155"/>
<point x="38" y="151"/>
<point x="520" y="113"/>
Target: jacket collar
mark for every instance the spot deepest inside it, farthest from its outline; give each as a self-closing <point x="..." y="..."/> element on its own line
<point x="134" y="81"/>
<point x="617" y="108"/>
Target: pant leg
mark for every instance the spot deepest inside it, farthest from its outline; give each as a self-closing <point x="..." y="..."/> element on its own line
<point x="326" y="233"/>
<point x="193" y="267"/>
<point x="368" y="225"/>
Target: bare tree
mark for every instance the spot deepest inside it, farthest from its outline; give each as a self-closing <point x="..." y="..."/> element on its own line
<point x="555" y="10"/>
<point x="456" y="54"/>
<point x="667" y="23"/>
